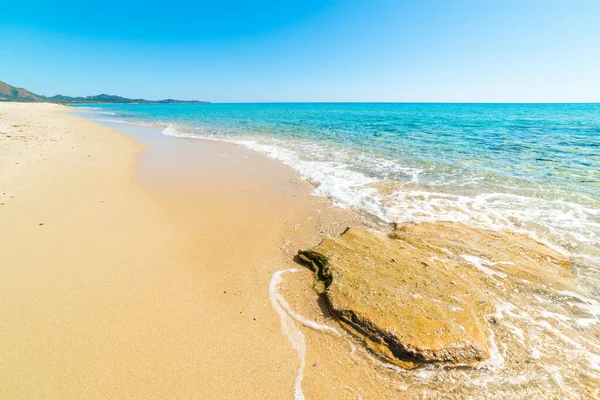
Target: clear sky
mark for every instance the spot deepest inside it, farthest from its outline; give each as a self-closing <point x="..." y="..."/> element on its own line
<point x="305" y="50"/>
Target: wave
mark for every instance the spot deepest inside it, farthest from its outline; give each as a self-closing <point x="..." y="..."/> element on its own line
<point x="353" y="180"/>
<point x="120" y="121"/>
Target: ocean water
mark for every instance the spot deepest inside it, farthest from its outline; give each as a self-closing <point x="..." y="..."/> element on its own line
<point x="533" y="168"/>
<point x="530" y="168"/>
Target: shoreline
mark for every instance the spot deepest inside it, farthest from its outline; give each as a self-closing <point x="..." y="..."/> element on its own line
<point x="137" y="264"/>
<point x="139" y="288"/>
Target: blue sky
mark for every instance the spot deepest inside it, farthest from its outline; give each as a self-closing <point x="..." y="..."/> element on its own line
<point x="352" y="50"/>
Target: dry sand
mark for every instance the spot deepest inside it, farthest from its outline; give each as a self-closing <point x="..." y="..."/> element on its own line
<point x="120" y="280"/>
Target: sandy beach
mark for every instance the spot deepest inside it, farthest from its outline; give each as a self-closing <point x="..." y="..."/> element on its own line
<point x="300" y="200"/>
<point x="112" y="288"/>
<point x="139" y="265"/>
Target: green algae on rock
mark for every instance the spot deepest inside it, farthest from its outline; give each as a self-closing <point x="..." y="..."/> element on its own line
<point x="421" y="294"/>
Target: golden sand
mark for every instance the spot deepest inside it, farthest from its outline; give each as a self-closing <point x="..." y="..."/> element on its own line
<point x="169" y="272"/>
<point x="113" y="289"/>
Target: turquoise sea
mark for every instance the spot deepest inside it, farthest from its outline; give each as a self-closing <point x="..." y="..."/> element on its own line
<point x="533" y="168"/>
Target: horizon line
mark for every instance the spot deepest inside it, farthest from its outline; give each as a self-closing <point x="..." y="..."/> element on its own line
<point x="368" y="102"/>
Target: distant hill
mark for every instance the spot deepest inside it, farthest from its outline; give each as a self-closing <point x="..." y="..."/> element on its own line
<point x="11" y="93"/>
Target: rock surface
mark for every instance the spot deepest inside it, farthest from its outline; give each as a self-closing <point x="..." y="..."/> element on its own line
<point x="421" y="294"/>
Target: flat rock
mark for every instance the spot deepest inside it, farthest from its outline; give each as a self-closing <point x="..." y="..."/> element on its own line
<point x="421" y="294"/>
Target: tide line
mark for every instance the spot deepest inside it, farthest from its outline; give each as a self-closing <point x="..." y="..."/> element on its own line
<point x="289" y="328"/>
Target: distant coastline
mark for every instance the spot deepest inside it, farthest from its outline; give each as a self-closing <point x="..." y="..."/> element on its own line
<point x="11" y="93"/>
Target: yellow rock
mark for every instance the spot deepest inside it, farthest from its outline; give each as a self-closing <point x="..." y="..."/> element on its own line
<point x="421" y="294"/>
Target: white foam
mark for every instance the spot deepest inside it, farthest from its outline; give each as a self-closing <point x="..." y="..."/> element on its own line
<point x="171" y="130"/>
<point x="558" y="317"/>
<point x="594" y="360"/>
<point x="516" y="331"/>
<point x="288" y="328"/>
<point x="561" y="336"/>
<point x="120" y="121"/>
<point x="350" y="179"/>
<point x="562" y="225"/>
<point x="294" y="334"/>
<point x="345" y="187"/>
<point x="386" y="365"/>
<point x="517" y="380"/>
<point x="585" y="322"/>
<point x="303" y="320"/>
<point x="496" y="359"/>
<point x="555" y="375"/>
<point x="592" y="306"/>
<point x="479" y="264"/>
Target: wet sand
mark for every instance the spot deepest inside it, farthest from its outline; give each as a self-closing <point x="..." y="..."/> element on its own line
<point x="131" y="274"/>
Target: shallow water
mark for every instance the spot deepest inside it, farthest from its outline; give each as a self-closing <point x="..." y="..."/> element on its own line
<point x="529" y="168"/>
<point x="533" y="167"/>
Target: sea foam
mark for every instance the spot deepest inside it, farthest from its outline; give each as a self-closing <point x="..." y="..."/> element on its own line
<point x="357" y="181"/>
